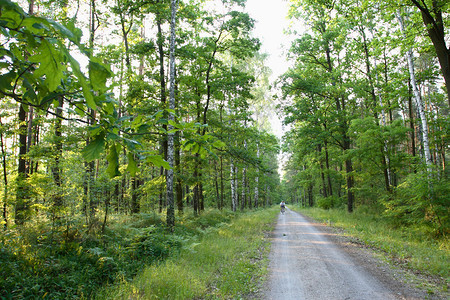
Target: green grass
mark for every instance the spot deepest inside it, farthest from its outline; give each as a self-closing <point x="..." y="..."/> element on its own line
<point x="225" y="262"/>
<point x="203" y="256"/>
<point x="410" y="247"/>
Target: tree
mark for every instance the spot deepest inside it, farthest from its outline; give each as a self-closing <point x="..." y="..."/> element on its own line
<point x="170" y="148"/>
<point x="432" y="12"/>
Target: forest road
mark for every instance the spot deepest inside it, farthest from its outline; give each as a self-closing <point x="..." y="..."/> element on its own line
<point x="307" y="263"/>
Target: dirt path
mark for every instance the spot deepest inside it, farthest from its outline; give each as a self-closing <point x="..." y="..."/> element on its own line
<point x="309" y="263"/>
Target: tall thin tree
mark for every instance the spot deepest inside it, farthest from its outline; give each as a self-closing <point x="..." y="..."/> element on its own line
<point x="170" y="135"/>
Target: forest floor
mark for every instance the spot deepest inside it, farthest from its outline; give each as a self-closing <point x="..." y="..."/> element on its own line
<point x="309" y="260"/>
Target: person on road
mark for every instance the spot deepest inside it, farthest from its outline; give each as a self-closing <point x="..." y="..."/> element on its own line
<point x="282" y="206"/>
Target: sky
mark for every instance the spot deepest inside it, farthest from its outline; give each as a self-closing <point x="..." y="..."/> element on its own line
<point x="271" y="21"/>
<point x="270" y="16"/>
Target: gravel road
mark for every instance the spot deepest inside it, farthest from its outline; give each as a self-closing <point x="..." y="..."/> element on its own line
<point x="307" y="263"/>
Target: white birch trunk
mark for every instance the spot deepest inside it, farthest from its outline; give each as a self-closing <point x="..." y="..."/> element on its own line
<point x="417" y="100"/>
<point x="257" y="178"/>
<point x="236" y="187"/>
<point x="170" y="137"/>
<point x="244" y="174"/>
<point x="233" y="187"/>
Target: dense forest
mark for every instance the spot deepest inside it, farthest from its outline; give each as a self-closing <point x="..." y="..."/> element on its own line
<point x="93" y="138"/>
<point x="367" y="101"/>
<point x="151" y="111"/>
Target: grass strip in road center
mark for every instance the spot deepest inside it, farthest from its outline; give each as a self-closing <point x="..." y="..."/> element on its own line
<point x="227" y="261"/>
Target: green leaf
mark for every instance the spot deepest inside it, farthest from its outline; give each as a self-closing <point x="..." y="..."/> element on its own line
<point x="158" y="161"/>
<point x="95" y="148"/>
<point x="219" y="144"/>
<point x="6" y="81"/>
<point x="35" y="25"/>
<point x="69" y="31"/>
<point x="98" y="75"/>
<point x="50" y="61"/>
<point x="113" y="162"/>
<point x="132" y="166"/>
<point x="77" y="32"/>
<point x="11" y="13"/>
<point x="87" y="93"/>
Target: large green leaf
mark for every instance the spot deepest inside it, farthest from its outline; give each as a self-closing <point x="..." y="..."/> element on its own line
<point x="69" y="31"/>
<point x="95" y="148"/>
<point x="158" y="161"/>
<point x="87" y="93"/>
<point x="6" y="80"/>
<point x="113" y="162"/>
<point x="12" y="15"/>
<point x="98" y="75"/>
<point x="50" y="61"/>
<point x="132" y="165"/>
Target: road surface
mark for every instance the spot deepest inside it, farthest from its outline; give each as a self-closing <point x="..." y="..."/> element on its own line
<point x="305" y="263"/>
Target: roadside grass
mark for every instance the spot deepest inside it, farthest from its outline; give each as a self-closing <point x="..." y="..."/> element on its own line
<point x="408" y="246"/>
<point x="227" y="261"/>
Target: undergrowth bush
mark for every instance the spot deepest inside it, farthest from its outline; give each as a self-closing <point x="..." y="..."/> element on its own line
<point x="225" y="261"/>
<point x="43" y="260"/>
<point x="330" y="202"/>
<point x="423" y="201"/>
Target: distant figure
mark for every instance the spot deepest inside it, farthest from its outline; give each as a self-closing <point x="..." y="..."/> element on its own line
<point x="283" y="206"/>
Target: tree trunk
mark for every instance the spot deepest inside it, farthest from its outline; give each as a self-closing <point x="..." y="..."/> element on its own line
<point x="233" y="187"/>
<point x="179" y="185"/>
<point x="5" y="179"/>
<point x="244" y="183"/>
<point x="29" y="161"/>
<point x="436" y="32"/>
<point x="417" y="100"/>
<point x="322" y="173"/>
<point x="340" y="108"/>
<point x="56" y="170"/>
<point x="216" y="184"/>
<point x="22" y="194"/>
<point x="222" y="185"/>
<point x="22" y="191"/>
<point x="135" y="206"/>
<point x="327" y="164"/>
<point x="350" y="181"/>
<point x="257" y="178"/>
<point x="195" y="198"/>
<point x="411" y="121"/>
<point x="200" y="196"/>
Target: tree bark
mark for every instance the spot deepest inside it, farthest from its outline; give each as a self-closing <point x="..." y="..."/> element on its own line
<point x="56" y="170"/>
<point x="5" y="179"/>
<point x="436" y="32"/>
<point x="22" y="195"/>
<point x="170" y="138"/>
<point x="327" y="164"/>
<point x="417" y="99"/>
<point x="233" y="187"/>
<point x="179" y="184"/>
<point x="257" y="178"/>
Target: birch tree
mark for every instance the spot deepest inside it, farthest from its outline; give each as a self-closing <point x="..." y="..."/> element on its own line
<point x="416" y="96"/>
<point x="171" y="134"/>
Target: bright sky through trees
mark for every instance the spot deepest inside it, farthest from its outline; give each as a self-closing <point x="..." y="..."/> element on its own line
<point x="271" y="21"/>
<point x="270" y="16"/>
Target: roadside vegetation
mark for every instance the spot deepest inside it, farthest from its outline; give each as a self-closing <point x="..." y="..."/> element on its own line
<point x="411" y="247"/>
<point x="224" y="261"/>
<point x="218" y="253"/>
